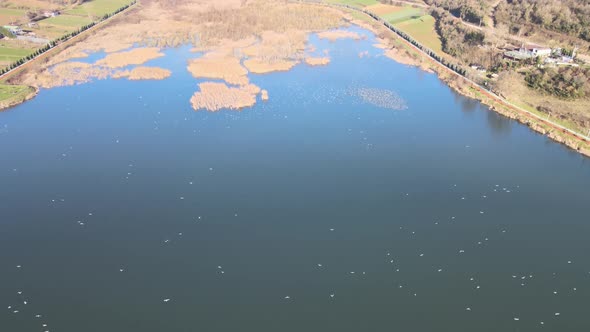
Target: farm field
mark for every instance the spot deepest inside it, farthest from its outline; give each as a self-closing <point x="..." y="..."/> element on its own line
<point x="403" y="14"/>
<point x="355" y="3"/>
<point x="9" y="15"/>
<point x="97" y="8"/>
<point x="422" y="29"/>
<point x="68" y="21"/>
<point x="411" y="20"/>
<point x="10" y="54"/>
<point x="30" y="4"/>
<point x="71" y="19"/>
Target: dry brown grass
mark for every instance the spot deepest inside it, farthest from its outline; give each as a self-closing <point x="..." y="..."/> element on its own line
<point x="278" y="46"/>
<point x="219" y="66"/>
<point x="68" y="73"/>
<point x="259" y="66"/>
<point x="137" y="56"/>
<point x="382" y="9"/>
<point x="32" y="4"/>
<point x="574" y="113"/>
<point x="269" y="35"/>
<point x="216" y="96"/>
<point x="317" y="61"/>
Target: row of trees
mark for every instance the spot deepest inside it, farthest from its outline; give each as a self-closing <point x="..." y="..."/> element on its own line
<point x="453" y="66"/>
<point x="61" y="39"/>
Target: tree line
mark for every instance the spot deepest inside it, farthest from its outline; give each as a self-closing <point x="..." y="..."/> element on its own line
<point x="451" y="65"/>
<point x="61" y="39"/>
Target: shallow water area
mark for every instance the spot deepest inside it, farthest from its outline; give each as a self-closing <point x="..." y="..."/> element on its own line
<point x="123" y="209"/>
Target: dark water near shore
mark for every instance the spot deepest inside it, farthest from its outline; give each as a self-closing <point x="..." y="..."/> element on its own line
<point x="314" y="211"/>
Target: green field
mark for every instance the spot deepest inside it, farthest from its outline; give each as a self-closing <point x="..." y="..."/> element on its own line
<point x="422" y="29"/>
<point x="70" y="21"/>
<point x="98" y="8"/>
<point x="403" y="15"/>
<point x="13" y="54"/>
<point x="9" y="93"/>
<point x="355" y="3"/>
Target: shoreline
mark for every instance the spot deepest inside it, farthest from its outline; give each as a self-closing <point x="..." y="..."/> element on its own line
<point x="6" y="77"/>
<point x="396" y="48"/>
<point x="573" y="140"/>
<point x="15" y="101"/>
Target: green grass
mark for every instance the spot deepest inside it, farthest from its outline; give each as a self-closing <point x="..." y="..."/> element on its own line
<point x="6" y="33"/>
<point x="403" y="15"/>
<point x="422" y="29"/>
<point x="98" y="8"/>
<point x="355" y="3"/>
<point x="67" y="21"/>
<point x="10" y="93"/>
<point x="13" y="54"/>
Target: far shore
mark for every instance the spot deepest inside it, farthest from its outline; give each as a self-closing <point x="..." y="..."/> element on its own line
<point x="393" y="45"/>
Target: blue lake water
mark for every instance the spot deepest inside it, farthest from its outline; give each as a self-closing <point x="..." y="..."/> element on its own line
<point x="122" y="209"/>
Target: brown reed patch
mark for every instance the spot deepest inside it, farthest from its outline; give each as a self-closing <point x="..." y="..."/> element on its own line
<point x="219" y="66"/>
<point x="382" y="9"/>
<point x="259" y="66"/>
<point x="317" y="61"/>
<point x="216" y="96"/>
<point x="69" y="73"/>
<point x="136" y="56"/>
<point x="333" y="35"/>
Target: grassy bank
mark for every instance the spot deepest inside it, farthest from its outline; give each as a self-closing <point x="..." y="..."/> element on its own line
<point x="11" y="95"/>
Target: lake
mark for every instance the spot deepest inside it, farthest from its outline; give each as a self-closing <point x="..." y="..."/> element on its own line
<point x="122" y="209"/>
